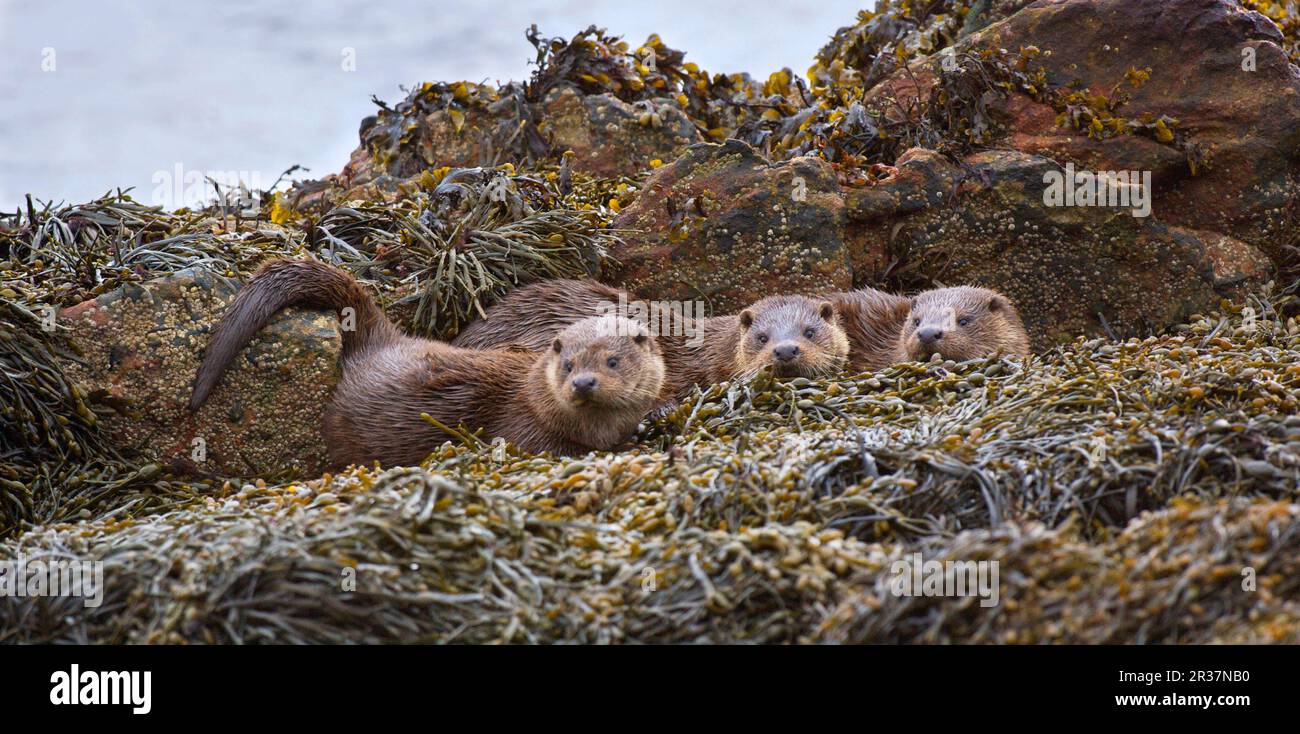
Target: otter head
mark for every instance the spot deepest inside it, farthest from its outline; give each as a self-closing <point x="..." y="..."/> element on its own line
<point x="962" y="323"/>
<point x="796" y="335"/>
<point x="604" y="363"/>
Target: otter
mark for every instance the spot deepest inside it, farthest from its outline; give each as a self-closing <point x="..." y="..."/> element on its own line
<point x="587" y="390"/>
<point x="961" y="323"/>
<point x="796" y="335"/>
<point x="957" y="323"/>
<point x="529" y="315"/>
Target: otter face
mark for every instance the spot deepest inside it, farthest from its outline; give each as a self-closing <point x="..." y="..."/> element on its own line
<point x="605" y="362"/>
<point x="797" y="336"/>
<point x="962" y="323"/>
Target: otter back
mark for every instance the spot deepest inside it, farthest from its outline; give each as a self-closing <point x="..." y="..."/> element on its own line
<point x="873" y="321"/>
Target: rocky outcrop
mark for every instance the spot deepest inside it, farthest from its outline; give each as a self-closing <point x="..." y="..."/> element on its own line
<point x="142" y="344"/>
<point x="608" y="136"/>
<point x="1222" y="168"/>
<point x="721" y="224"/>
<point x="1197" y="95"/>
<point x="1217" y="70"/>
<point x="1071" y="269"/>
<point x="1218" y="74"/>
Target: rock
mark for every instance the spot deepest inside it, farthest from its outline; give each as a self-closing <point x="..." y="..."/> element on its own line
<point x="142" y="344"/>
<point x="922" y="179"/>
<point x="744" y="228"/>
<point x="721" y="224"/>
<point x="1246" y="121"/>
<point x="1071" y="269"/>
<point x="612" y="138"/>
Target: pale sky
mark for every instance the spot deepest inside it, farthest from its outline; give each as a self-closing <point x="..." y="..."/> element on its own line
<point x="141" y="86"/>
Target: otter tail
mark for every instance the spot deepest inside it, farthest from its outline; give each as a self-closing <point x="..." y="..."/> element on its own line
<point x="282" y="283"/>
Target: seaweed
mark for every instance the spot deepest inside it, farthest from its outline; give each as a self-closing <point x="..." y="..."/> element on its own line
<point x="1124" y="487"/>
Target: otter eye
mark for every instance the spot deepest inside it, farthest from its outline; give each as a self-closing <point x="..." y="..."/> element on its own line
<point x="612" y="362"/>
<point x="916" y="322"/>
<point x="762" y="338"/>
<point x="568" y="365"/>
<point x="964" y="322"/>
<point x="809" y="333"/>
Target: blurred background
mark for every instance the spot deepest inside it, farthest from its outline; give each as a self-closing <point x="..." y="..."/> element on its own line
<point x="98" y="94"/>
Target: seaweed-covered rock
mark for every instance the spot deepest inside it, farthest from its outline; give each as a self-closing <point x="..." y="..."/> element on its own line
<point x="1198" y="92"/>
<point x="1071" y="269"/>
<point x="610" y="137"/>
<point x="722" y="224"/>
<point x="856" y="54"/>
<point x="142" y="344"/>
<point x="1172" y="575"/>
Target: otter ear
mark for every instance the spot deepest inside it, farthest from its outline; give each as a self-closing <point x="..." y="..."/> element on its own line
<point x="997" y="303"/>
<point x="641" y="337"/>
<point x="557" y="346"/>
<point x="827" y="311"/>
<point x="746" y="319"/>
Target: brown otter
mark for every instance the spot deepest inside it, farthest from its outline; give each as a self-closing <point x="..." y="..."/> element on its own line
<point x="957" y="323"/>
<point x="797" y="335"/>
<point x="528" y="316"/>
<point x="586" y="391"/>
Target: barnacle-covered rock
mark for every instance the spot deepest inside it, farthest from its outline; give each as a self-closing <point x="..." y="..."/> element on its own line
<point x="610" y="137"/>
<point x="723" y="225"/>
<point x="1070" y="269"/>
<point x="142" y="345"/>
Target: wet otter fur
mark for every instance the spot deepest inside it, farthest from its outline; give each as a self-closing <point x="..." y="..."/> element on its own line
<point x="587" y="390"/>
<point x="529" y="315"/>
<point x="962" y="323"/>
<point x="797" y="335"/>
<point x="957" y="323"/>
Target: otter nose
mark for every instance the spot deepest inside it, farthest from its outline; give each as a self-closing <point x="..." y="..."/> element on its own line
<point x="584" y="385"/>
<point x="785" y="352"/>
<point x="929" y="334"/>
